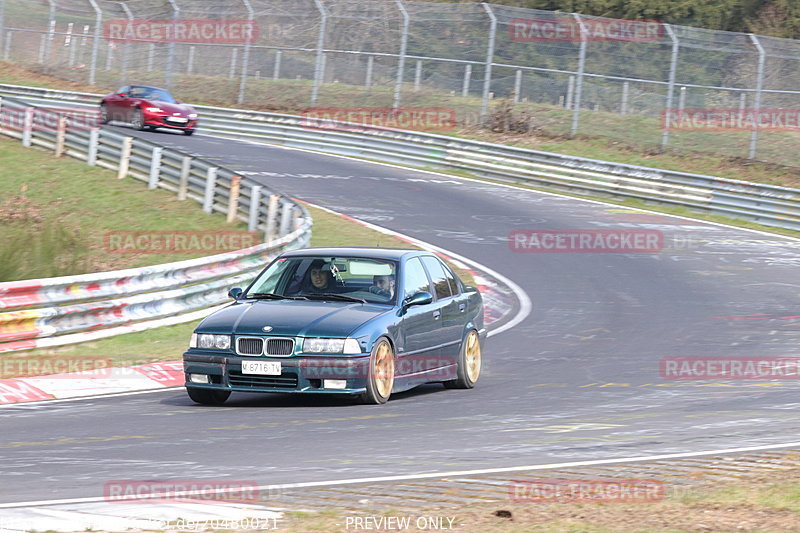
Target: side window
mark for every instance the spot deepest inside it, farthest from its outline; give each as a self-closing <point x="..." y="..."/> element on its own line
<point x="438" y="277"/>
<point x="451" y="279"/>
<point x="414" y="278"/>
<point x="124" y="90"/>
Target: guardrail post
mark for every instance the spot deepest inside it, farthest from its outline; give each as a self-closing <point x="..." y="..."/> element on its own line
<point x="27" y="127"/>
<point x="487" y="77"/>
<point x="91" y="154"/>
<point x="286" y="218"/>
<point x="211" y="183"/>
<point x="233" y="199"/>
<point x="576" y="103"/>
<point x="125" y="157"/>
<point x="155" y="167"/>
<point x="272" y="214"/>
<point x="183" y="184"/>
<point x="61" y="133"/>
<point x="255" y="203"/>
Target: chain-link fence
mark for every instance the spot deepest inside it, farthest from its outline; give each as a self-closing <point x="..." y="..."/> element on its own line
<point x="639" y="82"/>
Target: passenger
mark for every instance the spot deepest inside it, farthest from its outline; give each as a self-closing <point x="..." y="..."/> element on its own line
<point x="320" y="278"/>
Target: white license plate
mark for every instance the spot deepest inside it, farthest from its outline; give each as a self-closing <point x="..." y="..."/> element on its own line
<point x="262" y="368"/>
<point x="177" y="119"/>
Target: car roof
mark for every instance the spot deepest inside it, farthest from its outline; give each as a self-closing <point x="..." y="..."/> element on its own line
<point x="393" y="254"/>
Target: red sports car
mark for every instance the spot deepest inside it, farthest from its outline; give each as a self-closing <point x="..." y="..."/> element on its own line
<point x="148" y="108"/>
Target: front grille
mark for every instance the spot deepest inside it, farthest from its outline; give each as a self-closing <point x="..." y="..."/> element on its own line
<point x="249" y="346"/>
<point x="280" y="346"/>
<point x="286" y="380"/>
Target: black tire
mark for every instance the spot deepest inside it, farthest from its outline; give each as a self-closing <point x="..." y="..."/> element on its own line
<point x="380" y="379"/>
<point x="208" y="396"/>
<point x="188" y="132"/>
<point x="469" y="363"/>
<point x="137" y="121"/>
<point x="103" y="114"/>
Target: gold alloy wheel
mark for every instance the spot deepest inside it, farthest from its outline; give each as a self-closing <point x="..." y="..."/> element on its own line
<point x="383" y="369"/>
<point x="472" y="356"/>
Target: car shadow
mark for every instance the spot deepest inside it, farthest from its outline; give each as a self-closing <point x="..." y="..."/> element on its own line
<point x="288" y="400"/>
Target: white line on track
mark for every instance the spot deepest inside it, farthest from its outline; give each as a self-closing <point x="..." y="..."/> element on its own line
<point x="431" y="475"/>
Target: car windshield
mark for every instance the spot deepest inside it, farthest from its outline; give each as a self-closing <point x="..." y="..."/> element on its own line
<point x="344" y="279"/>
<point x="151" y="93"/>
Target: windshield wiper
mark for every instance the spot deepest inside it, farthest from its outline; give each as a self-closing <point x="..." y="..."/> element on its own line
<point x="334" y="296"/>
<point x="273" y="296"/>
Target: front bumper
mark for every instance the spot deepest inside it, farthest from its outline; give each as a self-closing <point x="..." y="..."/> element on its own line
<point x="307" y="374"/>
<point x="162" y="121"/>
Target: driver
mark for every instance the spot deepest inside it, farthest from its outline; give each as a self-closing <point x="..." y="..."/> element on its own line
<point x="383" y="285"/>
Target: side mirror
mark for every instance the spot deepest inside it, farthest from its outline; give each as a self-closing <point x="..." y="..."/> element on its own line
<point x="470" y="288"/>
<point x="235" y="293"/>
<point x="420" y="298"/>
<point x="122" y="95"/>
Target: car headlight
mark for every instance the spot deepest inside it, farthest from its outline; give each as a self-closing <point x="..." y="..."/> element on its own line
<point x="154" y="109"/>
<point x="192" y="115"/>
<point x="207" y="341"/>
<point x="321" y="345"/>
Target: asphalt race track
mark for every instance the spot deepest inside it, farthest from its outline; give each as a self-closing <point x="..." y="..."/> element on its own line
<point x="579" y="379"/>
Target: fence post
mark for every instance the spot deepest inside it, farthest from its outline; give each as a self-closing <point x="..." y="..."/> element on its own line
<point x="276" y="70"/>
<point x="233" y="199"/>
<point x="401" y="61"/>
<point x="272" y="213"/>
<point x="487" y="77"/>
<point x="234" y="59"/>
<point x="42" y="44"/>
<point x="190" y="61"/>
<point x="176" y="11"/>
<point x="673" y="64"/>
<point x="246" y="55"/>
<point x="91" y="155"/>
<point x="323" y="23"/>
<point x="51" y="30"/>
<point x="576" y="103"/>
<point x="2" y="19"/>
<point x="61" y="133"/>
<point x="155" y="167"/>
<point x="255" y="204"/>
<point x="757" y="99"/>
<point x="183" y="184"/>
<point x="98" y="25"/>
<point x="151" y="53"/>
<point x="467" y="80"/>
<point x="370" y="66"/>
<point x="570" y="92"/>
<point x="623" y="108"/>
<point x="417" y="74"/>
<point x="211" y="183"/>
<point x="517" y="85"/>
<point x="27" y="127"/>
<point x="682" y="99"/>
<point x="125" y="157"/>
<point x="7" y="46"/>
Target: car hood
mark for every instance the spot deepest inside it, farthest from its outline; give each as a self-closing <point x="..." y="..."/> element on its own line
<point x="291" y="318"/>
<point x="173" y="108"/>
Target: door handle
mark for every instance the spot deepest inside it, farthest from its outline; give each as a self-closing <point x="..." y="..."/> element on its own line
<point x="462" y="307"/>
<point x="437" y="314"/>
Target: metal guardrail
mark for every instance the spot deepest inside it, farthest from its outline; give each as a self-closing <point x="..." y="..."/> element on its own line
<point x="769" y="205"/>
<point x="53" y="311"/>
